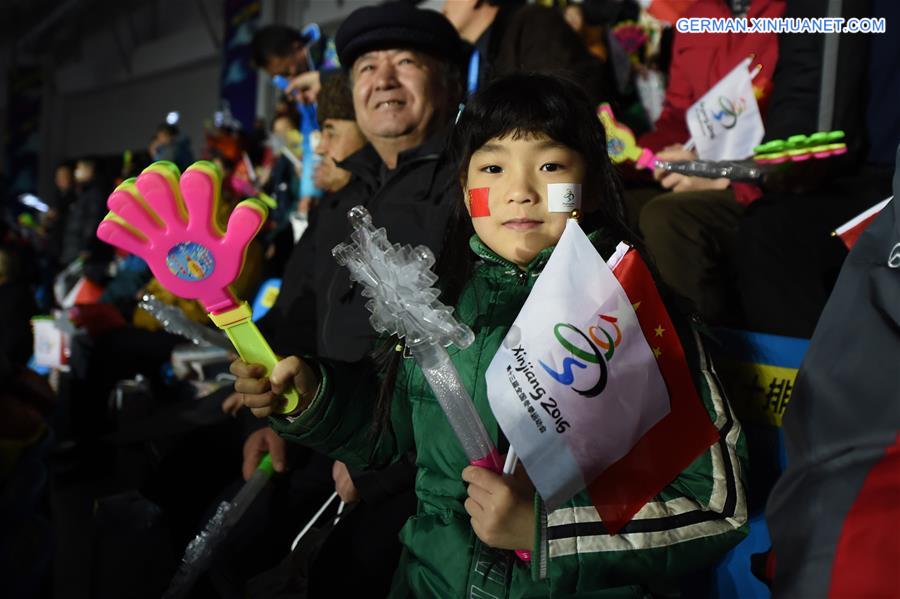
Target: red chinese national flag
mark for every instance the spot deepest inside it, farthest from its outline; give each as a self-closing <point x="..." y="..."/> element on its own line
<point x="850" y="231"/>
<point x="679" y="437"/>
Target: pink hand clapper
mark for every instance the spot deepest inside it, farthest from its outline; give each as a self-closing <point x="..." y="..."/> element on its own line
<point x="171" y="225"/>
<point x="170" y="222"/>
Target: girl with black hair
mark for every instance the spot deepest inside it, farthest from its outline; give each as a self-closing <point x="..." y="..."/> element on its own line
<point x="518" y="135"/>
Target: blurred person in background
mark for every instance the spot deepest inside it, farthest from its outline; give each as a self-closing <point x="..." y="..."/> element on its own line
<point x="510" y="36"/>
<point x="788" y="260"/>
<point x="283" y="179"/>
<point x="280" y="50"/>
<point x="169" y="144"/>
<point x="85" y="213"/>
<point x="285" y="51"/>
<point x="690" y="226"/>
<point x="60" y="203"/>
<point x="341" y="137"/>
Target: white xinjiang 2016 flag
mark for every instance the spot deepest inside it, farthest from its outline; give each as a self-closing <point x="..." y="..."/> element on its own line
<point x="575" y="385"/>
<point x="725" y="123"/>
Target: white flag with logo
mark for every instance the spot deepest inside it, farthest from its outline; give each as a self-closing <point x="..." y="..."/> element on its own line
<point x="575" y="385"/>
<point x="725" y="123"/>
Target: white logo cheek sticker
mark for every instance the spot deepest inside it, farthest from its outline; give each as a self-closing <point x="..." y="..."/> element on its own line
<point x="563" y="197"/>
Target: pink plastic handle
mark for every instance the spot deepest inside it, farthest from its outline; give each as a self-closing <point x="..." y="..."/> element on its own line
<point x="170" y="223"/>
<point x="646" y="159"/>
<point x="494" y="461"/>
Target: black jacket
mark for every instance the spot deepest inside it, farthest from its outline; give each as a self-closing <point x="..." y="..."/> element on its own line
<point x="80" y="227"/>
<point x="841" y="433"/>
<point x="537" y="39"/>
<point x="318" y="310"/>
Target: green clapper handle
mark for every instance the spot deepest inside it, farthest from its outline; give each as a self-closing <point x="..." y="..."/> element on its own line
<point x="252" y="347"/>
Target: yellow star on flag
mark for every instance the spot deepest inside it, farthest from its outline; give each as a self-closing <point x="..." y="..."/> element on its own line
<point x="657" y="352"/>
<point x="636" y="305"/>
<point x="659" y="330"/>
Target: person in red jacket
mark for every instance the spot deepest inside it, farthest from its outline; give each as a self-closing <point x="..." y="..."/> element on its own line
<point x="691" y="229"/>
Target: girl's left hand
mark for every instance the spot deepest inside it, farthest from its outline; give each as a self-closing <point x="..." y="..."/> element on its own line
<point x="501" y="507"/>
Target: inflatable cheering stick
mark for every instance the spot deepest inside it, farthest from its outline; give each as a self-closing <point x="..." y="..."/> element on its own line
<point x="734" y="170"/>
<point x="170" y="222"/>
<point x="404" y="302"/>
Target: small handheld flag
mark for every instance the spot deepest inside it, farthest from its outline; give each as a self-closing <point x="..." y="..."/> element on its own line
<point x="725" y="122"/>
<point x="850" y="231"/>
<point x="591" y="386"/>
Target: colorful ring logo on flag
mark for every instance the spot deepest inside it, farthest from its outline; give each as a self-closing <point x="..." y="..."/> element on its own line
<point x="730" y="109"/>
<point x="592" y="355"/>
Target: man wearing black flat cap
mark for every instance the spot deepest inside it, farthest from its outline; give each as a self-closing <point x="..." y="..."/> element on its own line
<point x="404" y="68"/>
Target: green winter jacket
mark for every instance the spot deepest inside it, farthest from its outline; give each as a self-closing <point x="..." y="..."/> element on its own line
<point x="691" y="524"/>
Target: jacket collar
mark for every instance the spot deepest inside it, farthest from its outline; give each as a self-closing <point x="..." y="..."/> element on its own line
<point x="532" y="269"/>
<point x="367" y="164"/>
<point x="495" y="261"/>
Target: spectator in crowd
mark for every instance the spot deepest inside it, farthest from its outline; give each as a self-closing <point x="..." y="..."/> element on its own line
<point x="510" y="36"/>
<point x="282" y="50"/>
<point x="86" y="212"/>
<point x="833" y="514"/>
<point x="404" y="65"/>
<point x="169" y="144"/>
<point x="404" y="99"/>
<point x="692" y="230"/>
<point x="281" y="180"/>
<point x="341" y="137"/>
<point x="590" y="33"/>
<point x="57" y="215"/>
<point x="787" y="261"/>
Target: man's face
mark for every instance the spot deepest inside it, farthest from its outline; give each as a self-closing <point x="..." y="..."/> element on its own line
<point x="289" y="66"/>
<point x="282" y="126"/>
<point x="396" y="93"/>
<point x="340" y="138"/>
<point x="63" y="178"/>
<point x="163" y="137"/>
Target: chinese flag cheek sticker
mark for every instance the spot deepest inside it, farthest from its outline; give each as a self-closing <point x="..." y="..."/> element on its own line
<point x="478" y="202"/>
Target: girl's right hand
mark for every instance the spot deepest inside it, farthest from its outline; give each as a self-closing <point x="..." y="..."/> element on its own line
<point x="263" y="394"/>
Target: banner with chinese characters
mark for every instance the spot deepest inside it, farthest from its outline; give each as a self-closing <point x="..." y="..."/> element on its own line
<point x="758" y="372"/>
